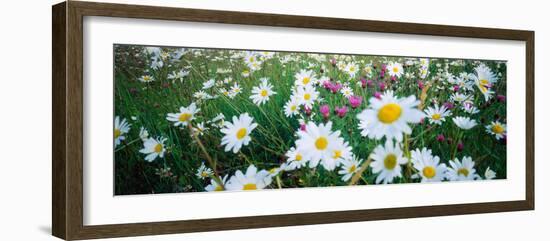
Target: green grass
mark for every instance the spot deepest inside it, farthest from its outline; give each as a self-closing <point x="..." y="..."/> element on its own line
<point x="149" y="103"/>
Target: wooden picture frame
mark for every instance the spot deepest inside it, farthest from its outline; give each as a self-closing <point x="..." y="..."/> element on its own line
<point x="67" y="138"/>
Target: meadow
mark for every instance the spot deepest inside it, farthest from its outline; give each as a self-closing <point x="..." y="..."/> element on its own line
<point x="194" y="120"/>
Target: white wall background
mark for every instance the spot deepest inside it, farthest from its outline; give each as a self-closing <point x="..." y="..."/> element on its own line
<point x="25" y="119"/>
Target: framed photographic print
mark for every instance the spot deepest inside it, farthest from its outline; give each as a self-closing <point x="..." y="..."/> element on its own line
<point x="170" y="120"/>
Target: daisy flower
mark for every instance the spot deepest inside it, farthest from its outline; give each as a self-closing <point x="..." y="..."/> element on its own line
<point x="424" y="62"/>
<point x="295" y="159"/>
<point x="245" y="73"/>
<point x="292" y="107"/>
<point x="317" y="143"/>
<point x="237" y="133"/>
<point x="437" y="114"/>
<point x="234" y="91"/>
<point x="250" y="58"/>
<point x="389" y="116"/>
<point x="146" y="78"/>
<point x="199" y="129"/>
<point x="218" y="120"/>
<point x="387" y="161"/>
<point x="143" y="134"/>
<point x="423" y="72"/>
<point x="208" y="84"/>
<point x="484" y="79"/>
<point x="428" y="166"/>
<point x="395" y="69"/>
<point x="185" y="116"/>
<point x="464" y="123"/>
<point x="351" y="69"/>
<point x="469" y="107"/>
<point x="349" y="168"/>
<point x="307" y="95"/>
<point x="490" y="174"/>
<point x="346" y="91"/>
<point x="304" y="78"/>
<point x="203" y="171"/>
<point x="178" y="75"/>
<point x="121" y="128"/>
<point x="497" y="129"/>
<point x="153" y="148"/>
<point x="368" y="70"/>
<point x="262" y="93"/>
<point x="214" y="186"/>
<point x="340" y="151"/>
<point x="251" y="180"/>
<point x="457" y="97"/>
<point x="461" y="171"/>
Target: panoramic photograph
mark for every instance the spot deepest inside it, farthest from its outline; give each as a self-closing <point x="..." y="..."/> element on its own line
<point x="192" y="119"/>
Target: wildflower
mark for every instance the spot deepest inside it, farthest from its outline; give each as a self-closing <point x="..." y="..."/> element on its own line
<point x="497" y="129"/>
<point x="461" y="170"/>
<point x="304" y="78"/>
<point x="464" y="123"/>
<point x="121" y="128"/>
<point x="437" y="114"/>
<point x="215" y="186"/>
<point x="428" y="166"/>
<point x="395" y="69"/>
<point x="295" y="159"/>
<point x="184" y="116"/>
<point x="153" y="148"/>
<point x="251" y="180"/>
<point x="237" y="133"/>
<point x="341" y="111"/>
<point x="292" y="107"/>
<point x="262" y="93"/>
<point x="307" y="95"/>
<point x="387" y="161"/>
<point x="146" y="78"/>
<point x="349" y="168"/>
<point x="389" y="116"/>
<point x="203" y="171"/>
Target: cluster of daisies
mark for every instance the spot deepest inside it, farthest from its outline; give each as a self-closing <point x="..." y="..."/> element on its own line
<point x="386" y="118"/>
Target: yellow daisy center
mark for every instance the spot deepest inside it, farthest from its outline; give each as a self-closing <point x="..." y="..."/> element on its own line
<point x="218" y="188"/>
<point x="429" y="172"/>
<point x="204" y="174"/>
<point x="241" y="133"/>
<point x="390" y="161"/>
<point x="263" y="93"/>
<point x="306" y="80"/>
<point x="352" y="69"/>
<point x="245" y="72"/>
<point x="352" y="169"/>
<point x="337" y="154"/>
<point x="146" y="78"/>
<point x="185" y="117"/>
<point x="307" y="96"/>
<point x="158" y="148"/>
<point x="321" y="143"/>
<point x="484" y="82"/>
<point x="497" y="129"/>
<point x="250" y="186"/>
<point x="395" y="69"/>
<point x="463" y="172"/>
<point x="293" y="108"/>
<point x="298" y="157"/>
<point x="436" y="116"/>
<point x="117" y="133"/>
<point x="389" y="113"/>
